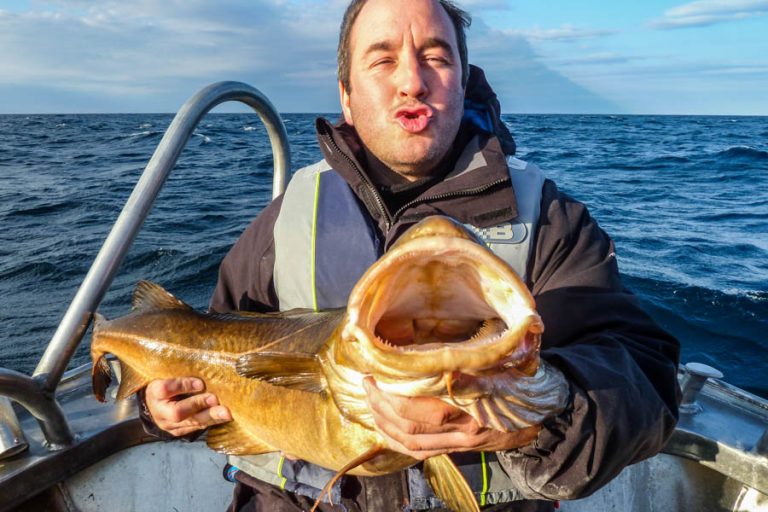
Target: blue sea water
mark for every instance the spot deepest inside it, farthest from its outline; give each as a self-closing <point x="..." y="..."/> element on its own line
<point x="685" y="199"/>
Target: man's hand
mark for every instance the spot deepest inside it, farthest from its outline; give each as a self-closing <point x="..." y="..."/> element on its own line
<point x="180" y="407"/>
<point x="423" y="427"/>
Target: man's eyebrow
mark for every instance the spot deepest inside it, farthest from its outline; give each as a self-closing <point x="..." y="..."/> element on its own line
<point x="436" y="42"/>
<point x="382" y="46"/>
<point x="429" y="43"/>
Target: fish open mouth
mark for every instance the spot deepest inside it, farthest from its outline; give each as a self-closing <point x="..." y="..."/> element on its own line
<point x="445" y="301"/>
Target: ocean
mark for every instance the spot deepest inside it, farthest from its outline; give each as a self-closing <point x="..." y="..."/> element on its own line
<point x="684" y="197"/>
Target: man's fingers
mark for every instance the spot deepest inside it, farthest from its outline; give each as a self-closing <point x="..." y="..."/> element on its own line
<point x="180" y="410"/>
<point x="427" y="410"/>
<point x="425" y="427"/>
<point x="193" y="413"/>
<point x="201" y="420"/>
<point x="425" y="446"/>
<point x="454" y="440"/>
<point x="166" y="389"/>
<point x="210" y="417"/>
<point x="396" y="445"/>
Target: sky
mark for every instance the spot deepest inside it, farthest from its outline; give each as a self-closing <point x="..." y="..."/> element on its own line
<point x="706" y="57"/>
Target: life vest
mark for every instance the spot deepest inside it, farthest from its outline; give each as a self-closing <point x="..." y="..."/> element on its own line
<point x="324" y="242"/>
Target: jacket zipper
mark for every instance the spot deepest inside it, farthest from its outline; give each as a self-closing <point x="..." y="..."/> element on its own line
<point x="377" y="197"/>
<point x="451" y="195"/>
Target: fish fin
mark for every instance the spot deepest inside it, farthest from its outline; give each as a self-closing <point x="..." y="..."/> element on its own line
<point x="448" y="378"/>
<point x="449" y="484"/>
<point x="286" y="369"/>
<point x="101" y="376"/>
<point x="357" y="461"/>
<point x="232" y="439"/>
<point x="149" y="296"/>
<point x="130" y="382"/>
<point x="98" y="320"/>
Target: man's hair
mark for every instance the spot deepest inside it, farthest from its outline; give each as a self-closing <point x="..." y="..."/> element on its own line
<point x="460" y="19"/>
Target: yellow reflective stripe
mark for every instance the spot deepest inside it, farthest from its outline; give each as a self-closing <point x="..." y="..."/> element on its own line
<point x="314" y="239"/>
<point x="485" y="479"/>
<point x="280" y="472"/>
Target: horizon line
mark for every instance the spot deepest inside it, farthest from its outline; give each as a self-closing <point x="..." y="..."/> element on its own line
<point x="339" y="113"/>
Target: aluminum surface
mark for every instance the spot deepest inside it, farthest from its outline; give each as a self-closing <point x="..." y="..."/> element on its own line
<point x="12" y="440"/>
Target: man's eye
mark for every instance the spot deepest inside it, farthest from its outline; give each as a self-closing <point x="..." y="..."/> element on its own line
<point x="435" y="59"/>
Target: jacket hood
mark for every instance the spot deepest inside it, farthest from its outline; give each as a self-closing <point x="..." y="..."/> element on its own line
<point x="483" y="111"/>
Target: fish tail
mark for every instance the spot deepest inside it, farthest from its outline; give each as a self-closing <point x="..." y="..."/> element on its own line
<point x="101" y="376"/>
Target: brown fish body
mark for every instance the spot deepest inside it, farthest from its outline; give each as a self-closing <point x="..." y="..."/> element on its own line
<point x="177" y="341"/>
<point x="438" y="315"/>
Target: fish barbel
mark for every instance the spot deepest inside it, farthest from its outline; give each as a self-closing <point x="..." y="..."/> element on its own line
<point x="438" y="315"/>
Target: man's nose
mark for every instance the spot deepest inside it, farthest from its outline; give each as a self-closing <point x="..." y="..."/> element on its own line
<point x="411" y="79"/>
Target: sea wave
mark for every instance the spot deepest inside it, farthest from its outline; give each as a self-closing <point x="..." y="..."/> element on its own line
<point x="743" y="153"/>
<point x="718" y="327"/>
<point x="49" y="208"/>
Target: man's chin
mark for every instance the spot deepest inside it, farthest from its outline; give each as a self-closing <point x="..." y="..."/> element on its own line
<point x="415" y="167"/>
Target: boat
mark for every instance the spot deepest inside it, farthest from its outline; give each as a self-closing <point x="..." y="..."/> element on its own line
<point x="61" y="450"/>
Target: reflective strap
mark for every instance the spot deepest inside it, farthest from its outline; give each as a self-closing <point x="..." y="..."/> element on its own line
<point x="484" y="474"/>
<point x="296" y="476"/>
<point x="266" y="467"/>
<point x="484" y="492"/>
<point x="294" y="273"/>
<point x="283" y="480"/>
<point x="324" y="241"/>
<point x="313" y="257"/>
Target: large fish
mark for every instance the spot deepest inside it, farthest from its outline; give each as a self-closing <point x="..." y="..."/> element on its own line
<point x="438" y="315"/>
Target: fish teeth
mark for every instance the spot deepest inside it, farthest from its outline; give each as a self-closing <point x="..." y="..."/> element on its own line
<point x="384" y="342"/>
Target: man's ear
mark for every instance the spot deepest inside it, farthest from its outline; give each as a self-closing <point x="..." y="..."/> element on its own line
<point x="345" y="108"/>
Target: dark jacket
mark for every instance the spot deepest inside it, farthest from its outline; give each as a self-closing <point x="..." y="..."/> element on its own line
<point x="621" y="365"/>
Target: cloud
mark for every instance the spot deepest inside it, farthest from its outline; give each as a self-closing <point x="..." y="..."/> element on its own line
<point x="484" y="5"/>
<point x="523" y="82"/>
<point x="563" y="33"/>
<point x="597" y="59"/>
<point x="160" y="52"/>
<point x="709" y="12"/>
<point x="149" y="56"/>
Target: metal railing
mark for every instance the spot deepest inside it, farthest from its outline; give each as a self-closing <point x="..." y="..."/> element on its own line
<point x="37" y="393"/>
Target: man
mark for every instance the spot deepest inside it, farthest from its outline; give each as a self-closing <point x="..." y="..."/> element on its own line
<point x="421" y="136"/>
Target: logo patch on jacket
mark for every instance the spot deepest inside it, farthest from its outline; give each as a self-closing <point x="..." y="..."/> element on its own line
<point x="507" y="233"/>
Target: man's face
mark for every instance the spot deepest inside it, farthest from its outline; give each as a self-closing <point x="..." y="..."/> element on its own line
<point x="405" y="99"/>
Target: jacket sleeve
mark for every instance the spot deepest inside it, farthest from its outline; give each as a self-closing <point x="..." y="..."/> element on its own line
<point x="246" y="274"/>
<point x="621" y="367"/>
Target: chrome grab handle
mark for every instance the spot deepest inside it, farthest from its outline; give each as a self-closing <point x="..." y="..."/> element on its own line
<point x="43" y="406"/>
<point x="36" y="393"/>
<point x="77" y="318"/>
<point x="12" y="439"/>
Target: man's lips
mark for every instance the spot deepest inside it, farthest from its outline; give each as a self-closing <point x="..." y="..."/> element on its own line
<point x="414" y="120"/>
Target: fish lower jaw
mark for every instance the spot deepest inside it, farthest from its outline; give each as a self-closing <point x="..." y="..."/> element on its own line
<point x="473" y="356"/>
